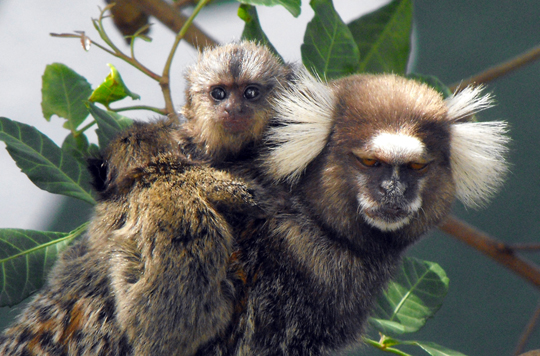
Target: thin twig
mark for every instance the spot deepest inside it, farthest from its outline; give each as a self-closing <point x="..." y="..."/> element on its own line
<point x="85" y="128"/>
<point x="531" y="325"/>
<point x="500" y="70"/>
<point x="493" y="248"/>
<point x="98" y="24"/>
<point x="140" y="107"/>
<point x="175" y="20"/>
<point x="165" y="77"/>
<point x="118" y="54"/>
<point x="531" y="247"/>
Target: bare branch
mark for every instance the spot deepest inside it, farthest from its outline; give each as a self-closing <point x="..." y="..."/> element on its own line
<point x="531" y="325"/>
<point x="493" y="248"/>
<point x="525" y="247"/>
<point x="173" y="19"/>
<point x="500" y="70"/>
<point x="165" y="77"/>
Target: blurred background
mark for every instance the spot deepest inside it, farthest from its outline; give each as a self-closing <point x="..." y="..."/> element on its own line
<point x="487" y="307"/>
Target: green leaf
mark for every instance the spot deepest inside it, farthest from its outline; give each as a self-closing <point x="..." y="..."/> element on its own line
<point x="433" y="349"/>
<point x="383" y="38"/>
<point x="387" y="344"/>
<point x="63" y="94"/>
<point x="329" y="49"/>
<point x="109" y="124"/>
<point x="93" y="150"/>
<point x="77" y="147"/>
<point x="433" y="82"/>
<point x="25" y="258"/>
<point x="388" y="327"/>
<point x="411" y="298"/>
<point x="293" y="6"/>
<point x="47" y="166"/>
<point x="253" y="30"/>
<point x="112" y="89"/>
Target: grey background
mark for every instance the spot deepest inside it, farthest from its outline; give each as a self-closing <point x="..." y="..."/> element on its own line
<point x="487" y="306"/>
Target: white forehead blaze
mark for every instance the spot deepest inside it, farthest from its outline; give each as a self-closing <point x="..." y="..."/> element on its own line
<point x="397" y="146"/>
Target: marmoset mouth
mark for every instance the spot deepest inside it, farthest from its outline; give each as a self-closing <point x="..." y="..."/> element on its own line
<point x="388" y="219"/>
<point x="236" y="125"/>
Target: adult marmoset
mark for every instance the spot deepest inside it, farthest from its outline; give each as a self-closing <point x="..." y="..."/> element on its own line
<point x="369" y="164"/>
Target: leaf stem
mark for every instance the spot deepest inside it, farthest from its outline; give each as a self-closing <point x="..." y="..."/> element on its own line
<point x="70" y="235"/>
<point x="165" y="77"/>
<point x="384" y="348"/>
<point x="98" y="24"/>
<point x="77" y="133"/>
<point x="140" y="107"/>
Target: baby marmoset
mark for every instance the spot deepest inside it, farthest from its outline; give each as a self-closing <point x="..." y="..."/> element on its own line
<point x="152" y="276"/>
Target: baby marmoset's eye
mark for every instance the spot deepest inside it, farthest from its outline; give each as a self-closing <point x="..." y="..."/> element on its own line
<point x="218" y="93"/>
<point x="252" y="92"/>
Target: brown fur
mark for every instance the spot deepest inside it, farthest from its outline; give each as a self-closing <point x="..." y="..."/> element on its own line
<point x="316" y="265"/>
<point x="225" y="128"/>
<point x="155" y="273"/>
<point x="152" y="276"/>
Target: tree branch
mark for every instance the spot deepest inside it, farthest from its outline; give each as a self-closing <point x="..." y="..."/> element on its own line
<point x="500" y="70"/>
<point x="165" y="77"/>
<point x="531" y="325"/>
<point x="174" y="19"/>
<point x="525" y="247"/>
<point x="493" y="248"/>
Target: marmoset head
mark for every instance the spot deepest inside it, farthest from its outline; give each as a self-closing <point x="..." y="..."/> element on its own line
<point x="387" y="149"/>
<point x="228" y="96"/>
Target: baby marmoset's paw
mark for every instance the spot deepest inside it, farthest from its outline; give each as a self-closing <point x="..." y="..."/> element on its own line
<point x="216" y="187"/>
<point x="226" y="193"/>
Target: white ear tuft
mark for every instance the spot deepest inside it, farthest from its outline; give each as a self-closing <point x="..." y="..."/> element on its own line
<point x="478" y="161"/>
<point x="467" y="102"/>
<point x="304" y="119"/>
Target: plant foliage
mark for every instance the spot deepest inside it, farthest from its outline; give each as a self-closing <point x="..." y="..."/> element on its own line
<point x="25" y="258"/>
<point x="48" y="166"/>
<point x="412" y="297"/>
<point x="64" y="92"/>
